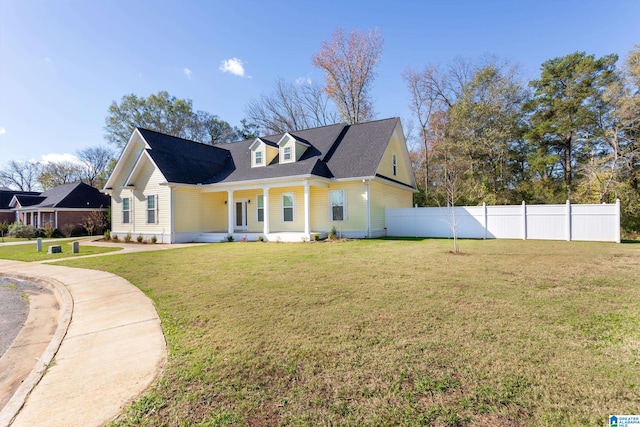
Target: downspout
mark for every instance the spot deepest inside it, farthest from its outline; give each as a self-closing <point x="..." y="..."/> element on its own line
<point x="368" y="196"/>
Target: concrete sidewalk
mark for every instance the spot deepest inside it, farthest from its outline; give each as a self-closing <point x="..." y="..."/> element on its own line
<point x="112" y="350"/>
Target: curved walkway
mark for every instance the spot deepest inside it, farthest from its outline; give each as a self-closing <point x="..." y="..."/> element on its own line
<point x="111" y="349"/>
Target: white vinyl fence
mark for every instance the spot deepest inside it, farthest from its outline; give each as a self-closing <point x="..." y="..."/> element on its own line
<point x="546" y="222"/>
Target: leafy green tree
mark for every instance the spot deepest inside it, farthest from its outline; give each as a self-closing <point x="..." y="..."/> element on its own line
<point x="565" y="110"/>
<point x="164" y="113"/>
<point x="484" y="123"/>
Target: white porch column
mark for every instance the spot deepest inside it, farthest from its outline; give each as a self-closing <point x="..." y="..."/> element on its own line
<point x="307" y="210"/>
<point x="230" y="211"/>
<point x="39" y="219"/>
<point x="56" y="219"/>
<point x="265" y="201"/>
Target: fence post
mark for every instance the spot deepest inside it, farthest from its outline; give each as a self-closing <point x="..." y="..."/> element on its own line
<point x="484" y="210"/>
<point x="568" y="222"/>
<point x="524" y="220"/>
<point x="617" y="230"/>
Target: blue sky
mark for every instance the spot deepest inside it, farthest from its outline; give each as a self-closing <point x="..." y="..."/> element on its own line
<point x="63" y="62"/>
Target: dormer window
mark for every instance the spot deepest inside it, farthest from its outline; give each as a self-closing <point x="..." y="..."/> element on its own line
<point x="291" y="148"/>
<point x="262" y="153"/>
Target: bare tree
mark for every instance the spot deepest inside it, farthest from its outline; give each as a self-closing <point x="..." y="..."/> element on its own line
<point x="95" y="164"/>
<point x="20" y="175"/>
<point x="349" y="65"/>
<point x="58" y="173"/>
<point x="291" y="107"/>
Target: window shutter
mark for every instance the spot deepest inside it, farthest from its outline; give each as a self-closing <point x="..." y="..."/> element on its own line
<point x="157" y="210"/>
<point x="344" y="205"/>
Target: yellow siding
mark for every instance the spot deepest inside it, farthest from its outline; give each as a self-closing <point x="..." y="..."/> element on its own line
<point x="386" y="196"/>
<point x="356" y="206"/>
<point x="198" y="211"/>
<point x="148" y="183"/>
<point x="129" y="162"/>
<point x="275" y="209"/>
<point x="404" y="172"/>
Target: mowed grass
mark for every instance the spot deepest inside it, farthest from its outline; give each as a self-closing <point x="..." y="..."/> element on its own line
<point x="383" y="332"/>
<point x="28" y="251"/>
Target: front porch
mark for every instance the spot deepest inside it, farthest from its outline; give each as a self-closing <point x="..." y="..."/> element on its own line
<point x="239" y="236"/>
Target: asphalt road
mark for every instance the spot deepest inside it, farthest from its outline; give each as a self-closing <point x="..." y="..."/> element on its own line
<point x="14" y="308"/>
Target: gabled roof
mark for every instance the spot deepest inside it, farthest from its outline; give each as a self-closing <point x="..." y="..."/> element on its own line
<point x="7" y="194"/>
<point x="334" y="151"/>
<point x="184" y="161"/>
<point x="74" y="195"/>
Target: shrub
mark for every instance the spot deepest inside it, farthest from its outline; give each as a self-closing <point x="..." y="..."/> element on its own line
<point x="316" y="236"/>
<point x="18" y="229"/>
<point x="67" y="230"/>
<point x="332" y="233"/>
<point x="4" y="228"/>
<point x="154" y="239"/>
<point x="48" y="230"/>
<point x="107" y="235"/>
<point x="114" y="237"/>
<point x="261" y="238"/>
<point x="229" y="238"/>
<point x="139" y="238"/>
<point x="127" y="238"/>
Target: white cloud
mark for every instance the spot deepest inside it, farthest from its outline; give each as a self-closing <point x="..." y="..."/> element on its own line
<point x="58" y="158"/>
<point x="234" y="66"/>
<point x="48" y="60"/>
<point x="187" y="72"/>
<point x="2" y="130"/>
<point x="303" y="80"/>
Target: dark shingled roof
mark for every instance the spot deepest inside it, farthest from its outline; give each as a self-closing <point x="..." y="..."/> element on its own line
<point x="7" y="194"/>
<point x="73" y="195"/>
<point x="335" y="151"/>
<point x="182" y="160"/>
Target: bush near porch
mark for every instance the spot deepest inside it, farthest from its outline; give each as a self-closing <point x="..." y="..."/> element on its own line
<point x="382" y="332"/>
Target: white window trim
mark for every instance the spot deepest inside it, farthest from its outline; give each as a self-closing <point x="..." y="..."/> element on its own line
<point x="262" y="158"/>
<point x="344" y="206"/>
<point x="394" y="164"/>
<point x="126" y="210"/>
<point x="293" y="207"/>
<point x="291" y="152"/>
<point x="258" y="196"/>
<point x="155" y="209"/>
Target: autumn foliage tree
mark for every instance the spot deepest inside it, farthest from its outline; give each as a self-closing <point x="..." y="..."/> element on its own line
<point x="349" y="61"/>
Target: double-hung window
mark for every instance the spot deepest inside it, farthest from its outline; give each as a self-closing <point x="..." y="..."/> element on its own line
<point x="260" y="207"/>
<point x="287" y="207"/>
<point x="126" y="210"/>
<point x="338" y="205"/>
<point x="287" y="154"/>
<point x="258" y="158"/>
<point x="152" y="209"/>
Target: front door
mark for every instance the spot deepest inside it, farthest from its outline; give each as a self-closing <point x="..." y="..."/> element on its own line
<point x="241" y="215"/>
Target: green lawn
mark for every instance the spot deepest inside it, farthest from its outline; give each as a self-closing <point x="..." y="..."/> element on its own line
<point x="27" y="252"/>
<point x="384" y="332"/>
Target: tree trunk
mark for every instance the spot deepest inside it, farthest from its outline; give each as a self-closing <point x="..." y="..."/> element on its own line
<point x="567" y="165"/>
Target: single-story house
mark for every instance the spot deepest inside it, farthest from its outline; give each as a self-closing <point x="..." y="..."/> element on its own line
<point x="66" y="205"/>
<point x="8" y="215"/>
<point x="285" y="187"/>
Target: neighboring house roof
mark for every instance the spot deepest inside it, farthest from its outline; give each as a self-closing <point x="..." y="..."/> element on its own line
<point x="7" y="194"/>
<point x="335" y="151"/>
<point x="74" y="195"/>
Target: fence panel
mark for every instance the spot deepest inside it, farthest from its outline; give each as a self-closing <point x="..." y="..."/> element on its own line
<point x="544" y="222"/>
